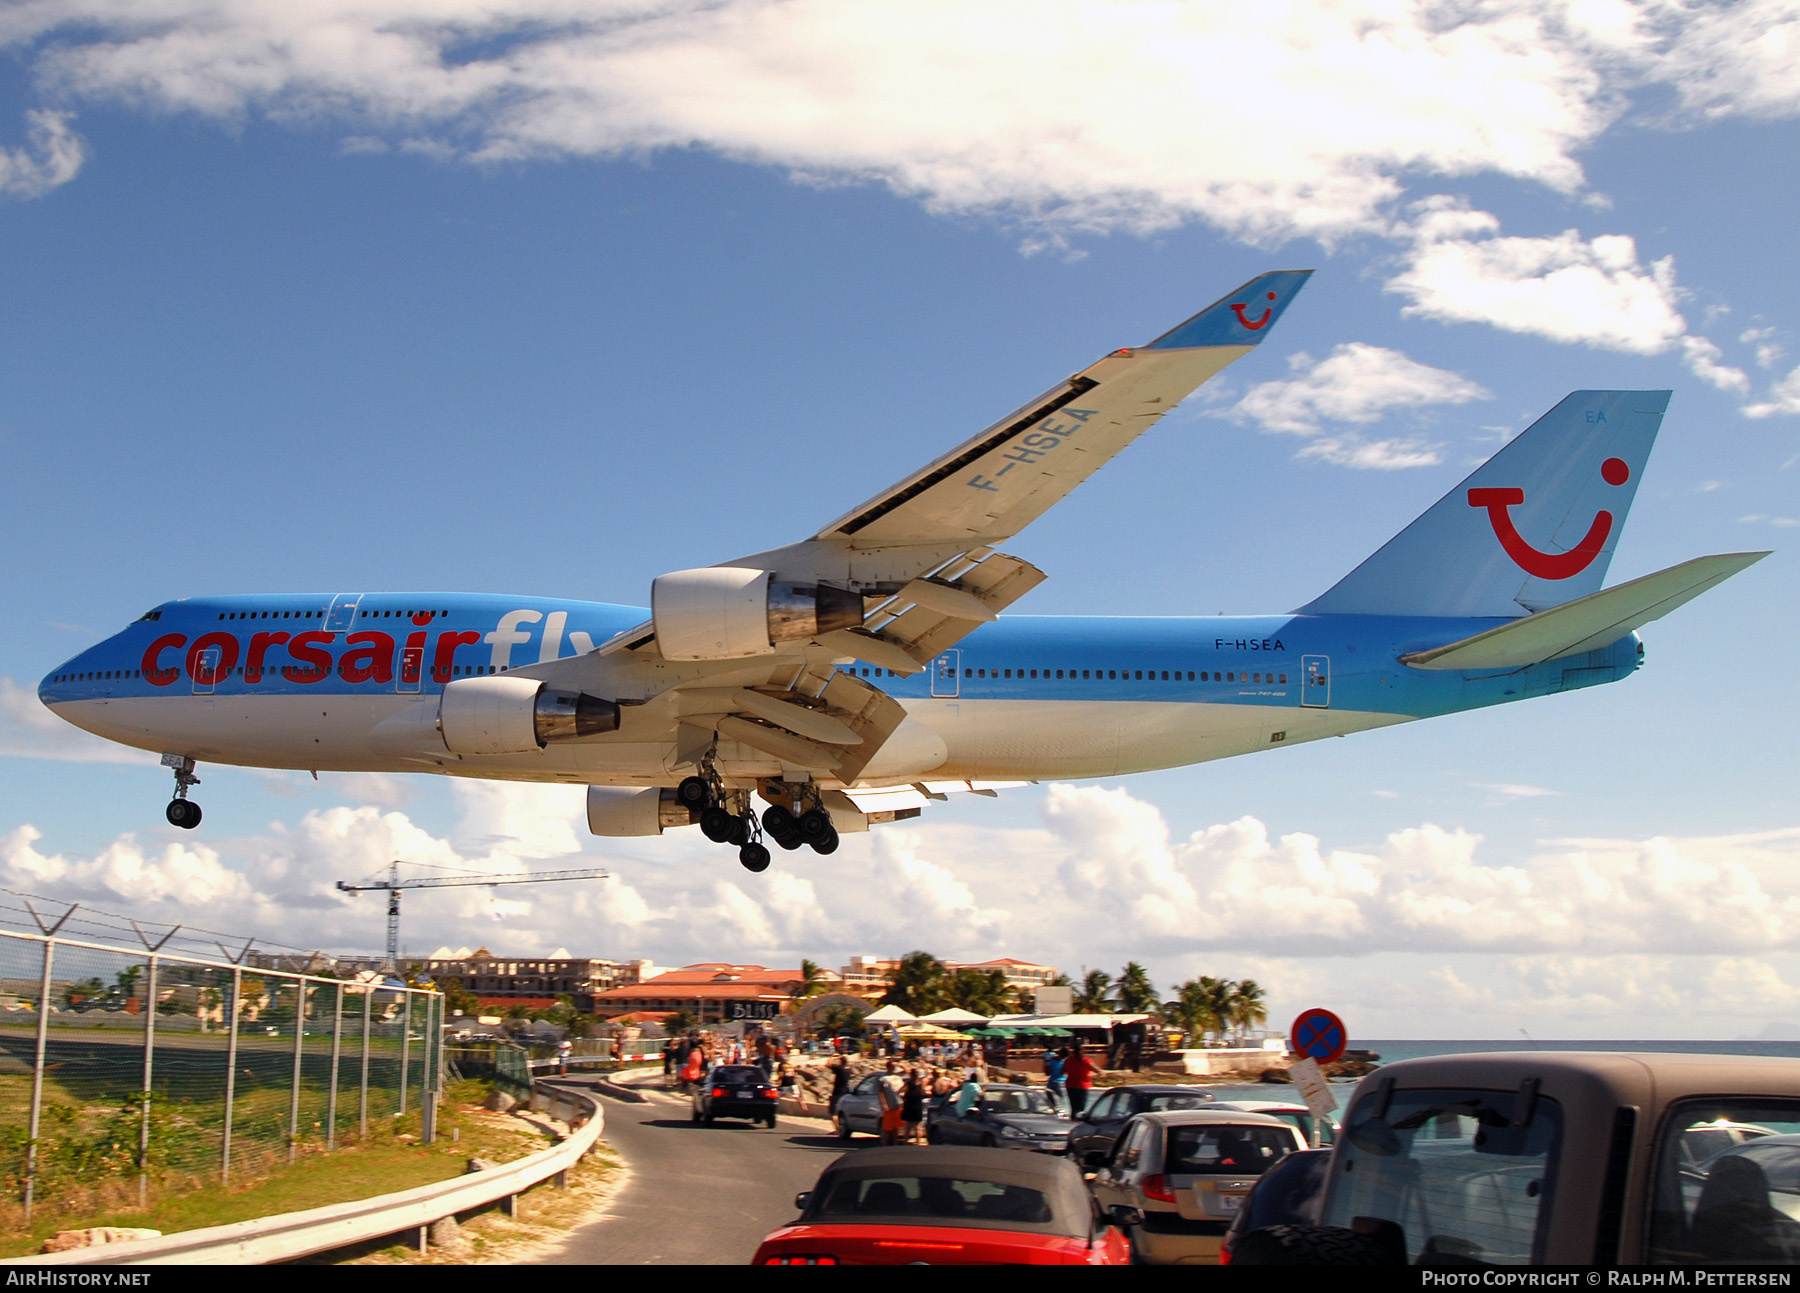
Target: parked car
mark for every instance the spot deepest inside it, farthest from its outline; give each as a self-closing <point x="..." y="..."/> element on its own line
<point x="1561" y="1159"/>
<point x="1317" y="1131"/>
<point x="1287" y="1194"/>
<point x="1188" y="1173"/>
<point x="1098" y="1128"/>
<point x="944" y="1206"/>
<point x="858" y="1109"/>
<point x="1010" y="1117"/>
<point x="735" y="1091"/>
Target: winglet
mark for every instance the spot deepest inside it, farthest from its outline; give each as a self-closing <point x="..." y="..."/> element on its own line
<point x="1242" y="318"/>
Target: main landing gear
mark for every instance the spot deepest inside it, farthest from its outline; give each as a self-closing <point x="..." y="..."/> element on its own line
<point x="182" y="811"/>
<point x="726" y="817"/>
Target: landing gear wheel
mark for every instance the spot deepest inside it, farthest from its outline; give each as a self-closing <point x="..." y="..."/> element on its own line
<point x="827" y="845"/>
<point x="717" y="825"/>
<point x="693" y="792"/>
<point x="777" y="820"/>
<point x="740" y="829"/>
<point x="789" y="840"/>
<point x="754" y="857"/>
<point x="183" y="813"/>
<point x="815" y="825"/>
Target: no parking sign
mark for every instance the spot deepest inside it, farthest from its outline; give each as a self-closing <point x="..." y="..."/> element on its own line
<point x="1318" y="1035"/>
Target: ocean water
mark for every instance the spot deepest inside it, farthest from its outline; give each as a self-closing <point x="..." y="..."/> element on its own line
<point x="1391" y="1050"/>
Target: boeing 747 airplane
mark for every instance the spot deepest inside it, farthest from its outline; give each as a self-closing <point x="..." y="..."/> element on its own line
<point x="852" y="677"/>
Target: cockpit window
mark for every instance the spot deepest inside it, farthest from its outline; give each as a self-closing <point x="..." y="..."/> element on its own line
<point x="149" y="615"/>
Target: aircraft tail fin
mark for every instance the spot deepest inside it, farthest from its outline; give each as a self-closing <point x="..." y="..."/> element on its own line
<point x="1532" y="527"/>
<point x="1587" y="623"/>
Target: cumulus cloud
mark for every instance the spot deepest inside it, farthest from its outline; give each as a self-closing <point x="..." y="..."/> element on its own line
<point x="1594" y="292"/>
<point x="1357" y="383"/>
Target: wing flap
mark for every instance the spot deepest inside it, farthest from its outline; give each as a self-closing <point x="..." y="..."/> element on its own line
<point x="1587" y="623"/>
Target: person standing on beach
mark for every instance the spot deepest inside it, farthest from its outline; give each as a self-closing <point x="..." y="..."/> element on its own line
<point x="1078" y="1075"/>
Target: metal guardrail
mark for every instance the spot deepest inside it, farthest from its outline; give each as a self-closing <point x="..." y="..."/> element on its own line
<point x="300" y="1234"/>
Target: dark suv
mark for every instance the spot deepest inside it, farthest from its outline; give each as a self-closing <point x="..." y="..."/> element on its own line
<point x="736" y="1091"/>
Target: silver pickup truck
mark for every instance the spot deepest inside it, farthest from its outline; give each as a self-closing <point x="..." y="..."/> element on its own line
<point x="1559" y="1158"/>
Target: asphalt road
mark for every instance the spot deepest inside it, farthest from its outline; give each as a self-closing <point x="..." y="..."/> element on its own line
<point x="698" y="1195"/>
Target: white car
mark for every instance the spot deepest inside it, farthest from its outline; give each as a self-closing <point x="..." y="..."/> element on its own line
<point x="1317" y="1131"/>
<point x="1188" y="1172"/>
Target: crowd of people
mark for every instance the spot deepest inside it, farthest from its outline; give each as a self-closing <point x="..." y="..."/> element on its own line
<point x="914" y="1075"/>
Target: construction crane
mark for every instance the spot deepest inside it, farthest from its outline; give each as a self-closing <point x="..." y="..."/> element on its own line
<point x="394" y="884"/>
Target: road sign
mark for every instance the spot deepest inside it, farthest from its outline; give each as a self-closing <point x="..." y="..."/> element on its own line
<point x="1318" y="1035"/>
<point x="1309" y="1080"/>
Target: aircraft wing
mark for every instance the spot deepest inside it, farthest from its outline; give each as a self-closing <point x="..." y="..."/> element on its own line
<point x="901" y="577"/>
<point x="1587" y="623"/>
<point x="921" y="553"/>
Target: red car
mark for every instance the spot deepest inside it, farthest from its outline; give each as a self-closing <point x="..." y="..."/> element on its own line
<point x="973" y="1206"/>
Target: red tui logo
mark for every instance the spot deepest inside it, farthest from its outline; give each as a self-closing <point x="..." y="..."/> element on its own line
<point x="1238" y="308"/>
<point x="1548" y="565"/>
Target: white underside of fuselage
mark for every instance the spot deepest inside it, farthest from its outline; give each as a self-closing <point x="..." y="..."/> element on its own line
<point x="997" y="740"/>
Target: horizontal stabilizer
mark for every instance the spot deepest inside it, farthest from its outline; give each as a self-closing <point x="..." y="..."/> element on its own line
<point x="1587" y="623"/>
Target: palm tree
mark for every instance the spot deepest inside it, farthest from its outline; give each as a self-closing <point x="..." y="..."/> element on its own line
<point x="919" y="984"/>
<point x="1094" y="996"/>
<point x="983" y="991"/>
<point x="1247" y="1005"/>
<point x="812" y="980"/>
<point x="1193" y="1010"/>
<point x="1136" y="994"/>
<point x="1217" y="994"/>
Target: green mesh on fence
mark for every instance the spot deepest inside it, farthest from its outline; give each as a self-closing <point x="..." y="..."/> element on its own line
<point x="144" y="1077"/>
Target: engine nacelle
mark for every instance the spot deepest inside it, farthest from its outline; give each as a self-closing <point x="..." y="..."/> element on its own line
<point x="726" y="612"/>
<point x="620" y="810"/>
<point x="500" y="714"/>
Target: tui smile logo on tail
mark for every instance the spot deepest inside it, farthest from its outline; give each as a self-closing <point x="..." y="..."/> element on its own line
<point x="1549" y="565"/>
<point x="1238" y="308"/>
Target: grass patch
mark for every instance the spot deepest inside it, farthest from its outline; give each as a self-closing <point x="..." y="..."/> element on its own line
<point x="390" y="1159"/>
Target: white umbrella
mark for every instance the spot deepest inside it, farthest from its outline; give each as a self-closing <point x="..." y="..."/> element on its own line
<point x="890" y="1015"/>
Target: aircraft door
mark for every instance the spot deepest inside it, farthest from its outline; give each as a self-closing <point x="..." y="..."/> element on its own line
<point x="342" y="612"/>
<point x="412" y="667"/>
<point x="1315" y="681"/>
<point x="206" y="671"/>
<point x="946" y="677"/>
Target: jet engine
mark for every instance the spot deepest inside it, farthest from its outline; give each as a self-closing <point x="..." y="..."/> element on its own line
<point x="500" y="714"/>
<point x="620" y="810"/>
<point x="726" y="612"/>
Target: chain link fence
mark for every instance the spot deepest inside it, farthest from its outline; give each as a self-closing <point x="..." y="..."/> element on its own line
<point x="157" y="1064"/>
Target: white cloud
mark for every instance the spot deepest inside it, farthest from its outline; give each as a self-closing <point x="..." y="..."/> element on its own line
<point x="1783" y="398"/>
<point x="1070" y="112"/>
<point x="1357" y="382"/>
<point x="1703" y="361"/>
<point x="1594" y="292"/>
<point x="1417" y="934"/>
<point x="51" y="157"/>
<point x="1351" y="450"/>
<point x="1515" y="790"/>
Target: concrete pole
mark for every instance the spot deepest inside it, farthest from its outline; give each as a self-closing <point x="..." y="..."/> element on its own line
<point x="299" y="1049"/>
<point x="337" y="1040"/>
<point x="37" y="1078"/>
<point x="149" y="1059"/>
<point x="405" y="1045"/>
<point x="237" y="993"/>
<point x="368" y="1009"/>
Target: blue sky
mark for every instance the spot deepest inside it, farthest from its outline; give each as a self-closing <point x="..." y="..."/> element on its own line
<point x="552" y="297"/>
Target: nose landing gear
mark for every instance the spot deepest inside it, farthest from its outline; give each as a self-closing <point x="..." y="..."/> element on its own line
<point x="182" y="811"/>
